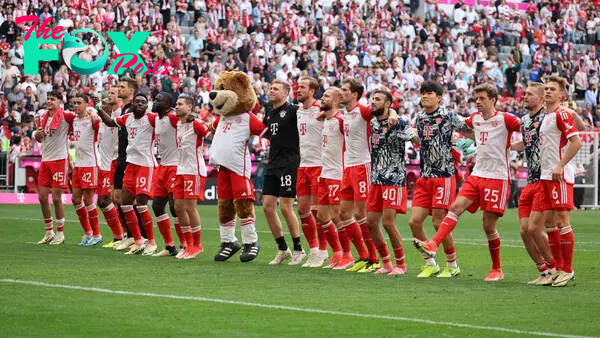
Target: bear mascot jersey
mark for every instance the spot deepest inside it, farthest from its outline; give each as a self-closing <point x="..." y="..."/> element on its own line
<point x="233" y="98"/>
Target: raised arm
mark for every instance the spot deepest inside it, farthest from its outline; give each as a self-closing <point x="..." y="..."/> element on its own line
<point x="105" y="117"/>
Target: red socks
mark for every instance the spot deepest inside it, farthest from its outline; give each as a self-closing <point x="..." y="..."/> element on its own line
<point x="164" y="226"/>
<point x="332" y="237"/>
<point x="309" y="228"/>
<point x="383" y="253"/>
<point x="555" y="246"/>
<point x="48" y="224"/>
<point x="494" y="246"/>
<point x="93" y="217"/>
<point x="445" y="228"/>
<point x="182" y="242"/>
<point x="132" y="222"/>
<point x="82" y="213"/>
<point x="355" y="235"/>
<point x="343" y="234"/>
<point x="187" y="233"/>
<point x="60" y="224"/>
<point x="399" y="255"/>
<point x="366" y="233"/>
<point x="542" y="266"/>
<point x="196" y="236"/>
<point x="450" y="255"/>
<point x="147" y="223"/>
<point x="322" y="235"/>
<point x="567" y="245"/>
<point x="112" y="218"/>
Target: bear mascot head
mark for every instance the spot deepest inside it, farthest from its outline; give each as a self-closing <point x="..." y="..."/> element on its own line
<point x="232" y="99"/>
<point x="233" y="94"/>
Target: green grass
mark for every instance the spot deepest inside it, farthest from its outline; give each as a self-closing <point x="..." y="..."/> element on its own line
<point x="35" y="310"/>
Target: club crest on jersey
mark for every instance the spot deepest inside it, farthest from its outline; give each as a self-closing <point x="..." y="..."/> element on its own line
<point x="384" y="130"/>
<point x="331" y="127"/>
<point x="494" y="124"/>
<point x="428" y="132"/>
<point x="375" y="139"/>
<point x="238" y="119"/>
<point x="438" y="120"/>
<point x="282" y="114"/>
<point x="536" y="124"/>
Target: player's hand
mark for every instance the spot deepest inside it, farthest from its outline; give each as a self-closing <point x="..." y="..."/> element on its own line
<point x="557" y="173"/>
<point x="393" y="120"/>
<point x="92" y="111"/>
<point x="321" y="116"/>
<point x="39" y="135"/>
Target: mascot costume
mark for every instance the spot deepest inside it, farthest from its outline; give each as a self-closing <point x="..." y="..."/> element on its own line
<point x="232" y="99"/>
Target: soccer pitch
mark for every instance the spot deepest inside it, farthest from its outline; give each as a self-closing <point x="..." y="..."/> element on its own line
<point x="76" y="291"/>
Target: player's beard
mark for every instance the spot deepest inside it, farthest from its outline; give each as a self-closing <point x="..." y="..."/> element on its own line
<point x="325" y="107"/>
<point x="378" y="112"/>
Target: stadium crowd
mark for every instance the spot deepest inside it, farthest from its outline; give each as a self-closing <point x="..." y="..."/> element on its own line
<point x="381" y="42"/>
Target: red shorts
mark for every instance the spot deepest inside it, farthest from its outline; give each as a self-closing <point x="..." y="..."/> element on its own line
<point x="164" y="181"/>
<point x="533" y="198"/>
<point x="487" y="194"/>
<point x="233" y="186"/>
<point x="329" y="191"/>
<point x="138" y="180"/>
<point x="189" y="187"/>
<point x="104" y="183"/>
<point x="387" y="197"/>
<point x="355" y="183"/>
<point x="559" y="195"/>
<point x="54" y="174"/>
<point x="85" y="178"/>
<point x="434" y="193"/>
<point x="307" y="181"/>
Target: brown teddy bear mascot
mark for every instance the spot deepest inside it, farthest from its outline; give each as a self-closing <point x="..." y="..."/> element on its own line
<point x="232" y="98"/>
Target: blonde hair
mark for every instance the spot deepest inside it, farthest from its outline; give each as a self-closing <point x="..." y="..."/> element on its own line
<point x="337" y="92"/>
<point x="539" y="87"/>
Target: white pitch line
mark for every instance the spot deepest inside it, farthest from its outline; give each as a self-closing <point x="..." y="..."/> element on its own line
<point x="290" y="308"/>
<point x="473" y="242"/>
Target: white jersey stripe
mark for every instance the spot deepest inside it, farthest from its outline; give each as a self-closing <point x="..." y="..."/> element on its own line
<point x="446" y="190"/>
<point x="504" y="193"/>
<point x="66" y="171"/>
<point x="150" y="177"/>
<point x="368" y="170"/>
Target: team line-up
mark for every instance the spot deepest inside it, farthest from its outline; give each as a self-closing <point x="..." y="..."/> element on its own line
<point x="346" y="167"/>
